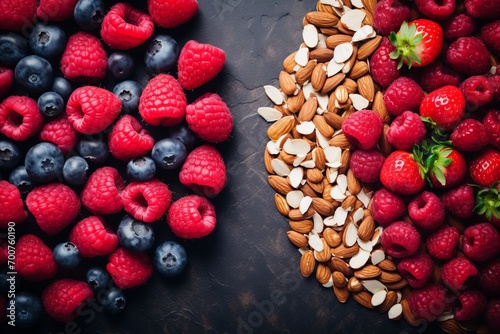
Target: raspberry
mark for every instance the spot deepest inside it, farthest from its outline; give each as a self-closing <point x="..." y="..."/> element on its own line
<point x="484" y="9"/>
<point x="470" y="135"/>
<point x="92" y="109"/>
<point x="84" y="60"/>
<point x="199" y="63"/>
<point x="436" y="75"/>
<point x="439" y="10"/>
<point x="163" y="101"/>
<point x="461" y="25"/>
<point x="442" y="244"/>
<point x="491" y="122"/>
<point x="55" y="10"/>
<point x="477" y="91"/>
<point x="15" y="14"/>
<point x="495" y="84"/>
<point x="489" y="278"/>
<point x="54" y="206"/>
<point x="147" y="200"/>
<point x="489" y="35"/>
<point x="4" y="252"/>
<point x="62" y="298"/>
<point x="363" y="128"/>
<point x="400" y="240"/>
<point x="170" y="14"/>
<point x="469" y="56"/>
<point x="386" y="206"/>
<point x="459" y="273"/>
<point x="426" y="211"/>
<point x="102" y="192"/>
<point x="204" y="171"/>
<point x="366" y="164"/>
<point x="19" y="117"/>
<point x="128" y="139"/>
<point x="481" y="242"/>
<point x="11" y="204"/>
<point x="191" y="217"/>
<point x="210" y="118"/>
<point x="492" y="316"/>
<point x="459" y="201"/>
<point x="61" y="133"/>
<point x="34" y="261"/>
<point x="469" y="305"/>
<point x="417" y="270"/>
<point x="429" y="302"/>
<point x="92" y="237"/>
<point x="129" y="269"/>
<point x="406" y="130"/>
<point x="388" y="16"/>
<point x="6" y="80"/>
<point x="383" y="69"/>
<point x="403" y="94"/>
<point x="125" y="27"/>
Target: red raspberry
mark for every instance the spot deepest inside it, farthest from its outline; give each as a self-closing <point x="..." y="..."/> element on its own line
<point x="210" y="118"/>
<point x="426" y="211"/>
<point x="436" y="75"/>
<point x="491" y="122"/>
<point x="102" y="192"/>
<point x="400" y="240"/>
<point x="61" y="133"/>
<point x="406" y="130"/>
<point x="84" y="60"/>
<point x="92" y="109"/>
<point x="481" y="242"/>
<point x="492" y="316"/>
<point x="204" y="171"/>
<point x="489" y="34"/>
<point x="386" y="206"/>
<point x="429" y="302"/>
<point x="15" y="15"/>
<point x="417" y="270"/>
<point x="443" y="244"/>
<point x="34" y="261"/>
<point x="92" y="237"/>
<point x="147" y="200"/>
<point x="388" y="16"/>
<point x="54" y="206"/>
<point x="55" y="10"/>
<point x="19" y="117"/>
<point x="470" y="135"/>
<point x="495" y="84"/>
<point x="163" y="101"/>
<point x="4" y="252"/>
<point x="439" y="10"/>
<point x="469" y="56"/>
<point x="469" y="305"/>
<point x="129" y="269"/>
<point x="366" y="164"/>
<point x="172" y="13"/>
<point x="460" y="25"/>
<point x="477" y="91"/>
<point x="199" y="63"/>
<point x="403" y="94"/>
<point x="459" y="273"/>
<point x="191" y="217"/>
<point x="6" y="80"/>
<point x="62" y="298"/>
<point x="128" y="139"/>
<point x="11" y="204"/>
<point x="125" y="27"/>
<point x="483" y="9"/>
<point x="459" y="201"/>
<point x="489" y="278"/>
<point x="363" y="128"/>
<point x="383" y="69"/>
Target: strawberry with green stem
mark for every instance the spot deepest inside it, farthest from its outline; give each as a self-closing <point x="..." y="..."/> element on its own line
<point x="445" y="166"/>
<point x="488" y="204"/>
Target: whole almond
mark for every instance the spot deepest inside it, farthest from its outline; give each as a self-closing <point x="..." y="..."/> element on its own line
<point x="359" y="69"/>
<point x="307" y="263"/>
<point x="308" y="191"/>
<point x="301" y="226"/>
<point x="286" y="158"/>
<point x="452" y="326"/>
<point x="334" y="120"/>
<point x="297" y="239"/>
<point x="383" y="143"/>
<point x="390" y="300"/>
<point x="342" y="293"/>
<point x="314" y="175"/>
<point x="339" y="279"/>
<point x="323" y="273"/>
<point x="287" y="83"/>
<point x="335" y="40"/>
<point x="295" y="102"/>
<point x="318" y="77"/>
<point x="345" y="252"/>
<point x="387" y="265"/>
<point x="322" y="126"/>
<point x="367" y="272"/>
<point x="322" y="19"/>
<point x="318" y="156"/>
<point x="340" y="265"/>
<point x="281" y="204"/>
<point x="354" y="284"/>
<point x="295" y="214"/>
<point x="308" y="109"/>
<point x="322" y="206"/>
<point x="348" y="202"/>
<point x="317" y="187"/>
<point x="341" y="94"/>
<point x="282" y="126"/>
<point x="369" y="5"/>
<point x="267" y="162"/>
<point x="280" y="184"/>
<point x="363" y="298"/>
<point x="389" y="277"/>
<point x="353" y="184"/>
<point x="332" y="237"/>
<point x="350" y="85"/>
<point x="366" y="228"/>
<point x="289" y="63"/>
<point x="345" y="157"/>
<point x="369" y="47"/>
<point x="398" y="285"/>
<point x="408" y="314"/>
<point x="304" y="73"/>
<point x="340" y="141"/>
<point x="366" y="87"/>
<point x="325" y="255"/>
<point x="379" y="107"/>
<point x="321" y="55"/>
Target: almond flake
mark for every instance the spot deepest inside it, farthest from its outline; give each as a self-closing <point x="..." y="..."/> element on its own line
<point x="315" y="242"/>
<point x="294" y="197"/>
<point x="328" y="221"/>
<point x="331" y="175"/>
<point x="353" y="19"/>
<point x="299" y="159"/>
<point x="363" y="33"/>
<point x="357" y="3"/>
<point x="305" y="203"/>
<point x="274" y="94"/>
<point x="306" y="128"/>
<point x="377" y="256"/>
<point x="318" y="222"/>
<point x="302" y="56"/>
<point x="269" y="114"/>
<point x="342" y="182"/>
<point x="360" y="259"/>
<point x="357" y="215"/>
<point x="343" y="52"/>
<point x="333" y="68"/>
<point x="322" y="103"/>
<point x="332" y="155"/>
<point x="280" y="167"/>
<point x="373" y="286"/>
<point x="363" y="197"/>
<point x="339" y="216"/>
<point x="395" y="311"/>
<point x="337" y="194"/>
<point x="365" y="245"/>
<point x="446" y="315"/>
<point x="379" y="297"/>
<point x="310" y="35"/>
<point x="322" y="140"/>
<point x="377" y="233"/>
<point x="308" y="89"/>
<point x="328" y="284"/>
<point x="296" y="146"/>
<point x="272" y="148"/>
<point x="308" y="164"/>
<point x="351" y="235"/>
<point x="296" y="175"/>
<point x="358" y="101"/>
<point x="334" y="3"/>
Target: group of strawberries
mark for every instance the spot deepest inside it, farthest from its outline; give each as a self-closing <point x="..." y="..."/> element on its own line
<point x="439" y="186"/>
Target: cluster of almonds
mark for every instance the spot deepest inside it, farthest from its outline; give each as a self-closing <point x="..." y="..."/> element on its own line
<point x="307" y="156"/>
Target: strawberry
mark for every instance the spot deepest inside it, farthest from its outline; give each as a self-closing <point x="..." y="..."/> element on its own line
<point x="402" y="174"/>
<point x="485" y="169"/>
<point x="417" y="43"/>
<point x="444" y="106"/>
<point x="488" y="204"/>
<point x="446" y="167"/>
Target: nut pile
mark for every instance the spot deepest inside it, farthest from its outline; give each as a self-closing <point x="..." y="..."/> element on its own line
<point x="307" y="156"/>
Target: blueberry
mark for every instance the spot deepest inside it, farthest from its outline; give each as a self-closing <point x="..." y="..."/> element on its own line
<point x="34" y="74"/>
<point x="28" y="309"/>
<point x="113" y="300"/>
<point x="184" y="134"/>
<point x="169" y="153"/>
<point x="9" y="154"/>
<point x="66" y="255"/>
<point x="13" y="48"/>
<point x="94" y="150"/>
<point x="44" y="162"/>
<point x="141" y="168"/>
<point x="88" y="14"/>
<point x="135" y="235"/>
<point x="129" y="92"/>
<point x="98" y="278"/>
<point x="170" y="259"/>
<point x="20" y="178"/>
<point x="75" y="170"/>
<point x="63" y="87"/>
<point x="161" y="54"/>
<point x="51" y="104"/>
<point x="121" y="64"/>
<point x="47" y="40"/>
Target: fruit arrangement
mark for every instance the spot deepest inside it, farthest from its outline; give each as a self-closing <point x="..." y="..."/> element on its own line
<point x="90" y="155"/>
<point x="384" y="155"/>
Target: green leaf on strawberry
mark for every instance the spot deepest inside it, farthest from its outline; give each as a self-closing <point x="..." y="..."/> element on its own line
<point x="488" y="204"/>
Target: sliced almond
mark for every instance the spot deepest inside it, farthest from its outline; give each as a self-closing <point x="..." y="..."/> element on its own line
<point x="274" y="94"/>
<point x="379" y="297"/>
<point x="353" y="19"/>
<point x="310" y="35"/>
<point x="342" y="52"/>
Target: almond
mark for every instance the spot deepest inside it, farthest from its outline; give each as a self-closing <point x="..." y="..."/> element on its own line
<point x="294" y="103"/>
<point x="318" y="76"/>
<point x="369" y="5"/>
<point x="351" y="85"/>
<point x="344" y="162"/>
<point x="340" y="265"/>
<point x="451" y="326"/>
<point x="348" y="202"/>
<point x="281" y="204"/>
<point x="322" y="206"/>
<point x="295" y="214"/>
<point x="368" y="47"/>
<point x="345" y="252"/>
<point x="342" y="293"/>
<point x="282" y="126"/>
<point x="287" y="83"/>
<point x="308" y="191"/>
<point x="359" y="69"/>
<point x="334" y="120"/>
<point x="308" y="109"/>
<point x="318" y="156"/>
<point x="329" y="31"/>
<point x="317" y="187"/>
<point x="325" y="255"/>
<point x="267" y="162"/>
<point x="301" y="226"/>
<point x="289" y="63"/>
<point x="397" y="286"/>
<point x="408" y="314"/>
<point x="335" y="40"/>
<point x="332" y="82"/>
<point x="307" y="263"/>
<point x="366" y="228"/>
<point x="332" y="237"/>
<point x="389" y="277"/>
<point x="363" y="298"/>
<point x="314" y="175"/>
<point x="387" y="265"/>
<point x="321" y="55"/>
<point x="341" y="94"/>
<point x="322" y="19"/>
<point x="280" y="184"/>
<point x="297" y="239"/>
<point x="322" y="126"/>
<point x="366" y="87"/>
<point x="323" y="273"/>
<point x="339" y="279"/>
<point x="340" y="141"/>
<point x="367" y="272"/>
<point x="349" y="63"/>
<point x="353" y="184"/>
<point x="390" y="300"/>
<point x="379" y="107"/>
<point x="354" y="284"/>
<point x="304" y="73"/>
<point x="384" y="145"/>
